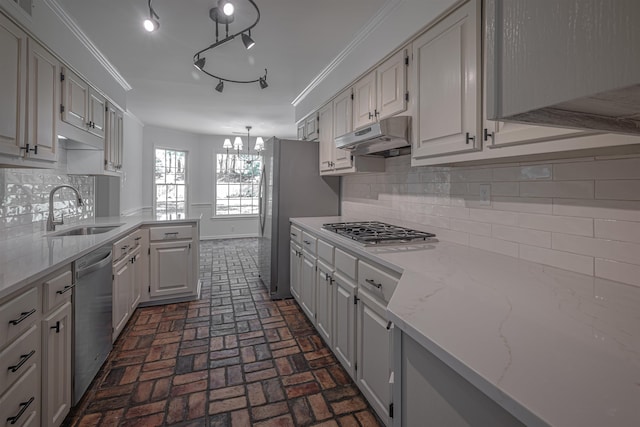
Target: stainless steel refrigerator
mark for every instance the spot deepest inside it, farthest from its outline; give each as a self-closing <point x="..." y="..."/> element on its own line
<point x="290" y="186"/>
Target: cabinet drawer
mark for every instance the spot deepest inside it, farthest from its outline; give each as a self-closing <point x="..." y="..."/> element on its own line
<point x="346" y="264"/>
<point x="296" y="234"/>
<point x="19" y="405"/>
<point x="18" y="314"/>
<point x="56" y="289"/>
<point x="325" y="251"/>
<point x="16" y="359"/>
<point x="172" y="232"/>
<point x="309" y="243"/>
<point x="122" y="247"/>
<point x="380" y="283"/>
<point x="137" y="237"/>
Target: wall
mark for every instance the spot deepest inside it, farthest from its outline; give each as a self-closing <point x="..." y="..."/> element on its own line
<point x="200" y="171"/>
<point x="131" y="199"/>
<point x="24" y="198"/>
<point x="581" y="214"/>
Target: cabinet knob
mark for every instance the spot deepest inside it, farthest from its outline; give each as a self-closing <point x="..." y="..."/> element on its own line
<point x="469" y="138"/>
<point x="487" y="135"/>
<point x="57" y="327"/>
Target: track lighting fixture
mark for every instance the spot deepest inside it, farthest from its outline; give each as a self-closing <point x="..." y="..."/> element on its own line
<point x="152" y="23"/>
<point x="199" y="63"/>
<point x="222" y="15"/>
<point x="247" y="40"/>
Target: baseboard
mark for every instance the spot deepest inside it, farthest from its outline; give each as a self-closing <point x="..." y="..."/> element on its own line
<point x="228" y="236"/>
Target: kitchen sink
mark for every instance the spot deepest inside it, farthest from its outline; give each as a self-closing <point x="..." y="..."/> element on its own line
<point x="84" y="230"/>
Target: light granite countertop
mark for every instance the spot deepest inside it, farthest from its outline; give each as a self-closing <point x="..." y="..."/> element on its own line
<point x="26" y="259"/>
<point x="551" y="346"/>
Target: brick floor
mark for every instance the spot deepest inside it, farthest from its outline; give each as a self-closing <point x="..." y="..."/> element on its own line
<point x="233" y="358"/>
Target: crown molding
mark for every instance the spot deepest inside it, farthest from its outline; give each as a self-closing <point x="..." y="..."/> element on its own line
<point x="362" y="35"/>
<point x="71" y="24"/>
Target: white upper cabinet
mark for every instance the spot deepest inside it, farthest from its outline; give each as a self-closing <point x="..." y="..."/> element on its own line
<point x="97" y="109"/>
<point x="392" y="85"/>
<point x="570" y="63"/>
<point x="364" y="101"/>
<point x="13" y="87"/>
<point x="311" y="127"/>
<point x="327" y="146"/>
<point x="43" y="90"/>
<point x="75" y="92"/>
<point x="446" y="74"/>
<point x="342" y="124"/>
<point x="381" y="93"/>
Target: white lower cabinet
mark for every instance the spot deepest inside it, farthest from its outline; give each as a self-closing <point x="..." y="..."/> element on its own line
<point x="308" y="286"/>
<point x="295" y="260"/>
<point x="56" y="361"/>
<point x="20" y="405"/>
<point x="374" y="352"/>
<point x="122" y="284"/>
<point x="324" y="293"/>
<point x="137" y="277"/>
<point x="344" y="322"/>
<point x="170" y="273"/>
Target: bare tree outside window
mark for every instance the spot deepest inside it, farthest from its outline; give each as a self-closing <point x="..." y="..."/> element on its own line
<point x="170" y="184"/>
<point x="237" y="181"/>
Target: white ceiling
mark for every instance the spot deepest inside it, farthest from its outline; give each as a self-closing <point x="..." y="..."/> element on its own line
<point x="295" y="40"/>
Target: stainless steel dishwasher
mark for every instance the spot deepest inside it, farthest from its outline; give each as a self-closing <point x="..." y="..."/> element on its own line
<point x="92" y="305"/>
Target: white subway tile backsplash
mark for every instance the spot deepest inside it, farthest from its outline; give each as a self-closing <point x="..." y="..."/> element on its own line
<point x="617" y="230"/>
<point x="473" y="227"/>
<point x="600" y="169"/>
<point x="605" y="209"/>
<point x="599" y="248"/>
<point x="565" y="189"/>
<point x="568" y="261"/>
<point x="493" y="245"/>
<point x="579" y="214"/>
<point x="493" y="216"/>
<point x="521" y="235"/>
<point x="561" y="224"/>
<point x="618" y="189"/>
<point x="618" y="271"/>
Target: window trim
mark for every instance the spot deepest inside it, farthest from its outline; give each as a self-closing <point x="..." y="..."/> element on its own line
<point x="186" y="177"/>
<point x="214" y="210"/>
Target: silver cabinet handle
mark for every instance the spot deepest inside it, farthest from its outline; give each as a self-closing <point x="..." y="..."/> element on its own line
<point x="373" y="283"/>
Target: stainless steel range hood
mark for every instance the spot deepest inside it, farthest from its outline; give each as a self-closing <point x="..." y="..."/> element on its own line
<point x="380" y="137"/>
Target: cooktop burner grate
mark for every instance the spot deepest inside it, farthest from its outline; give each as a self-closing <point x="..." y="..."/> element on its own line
<point x="375" y="232"/>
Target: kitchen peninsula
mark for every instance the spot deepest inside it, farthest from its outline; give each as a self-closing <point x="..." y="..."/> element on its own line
<point x="550" y="346"/>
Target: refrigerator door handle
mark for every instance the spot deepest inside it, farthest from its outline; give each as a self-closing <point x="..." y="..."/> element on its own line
<point x="261" y="196"/>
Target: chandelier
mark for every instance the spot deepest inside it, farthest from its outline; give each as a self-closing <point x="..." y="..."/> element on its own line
<point x="222" y="15"/>
<point x="237" y="143"/>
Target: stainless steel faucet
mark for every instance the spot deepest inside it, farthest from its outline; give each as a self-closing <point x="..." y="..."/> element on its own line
<point x="51" y="222"/>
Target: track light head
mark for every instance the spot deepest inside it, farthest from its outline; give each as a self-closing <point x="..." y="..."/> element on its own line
<point x="199" y="63"/>
<point x="220" y="86"/>
<point x="227" y="7"/>
<point x="263" y="83"/>
<point x="151" y="24"/>
<point x="247" y="41"/>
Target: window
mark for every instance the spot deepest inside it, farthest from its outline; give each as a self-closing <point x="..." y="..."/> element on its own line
<point x="237" y="181"/>
<point x="170" y="182"/>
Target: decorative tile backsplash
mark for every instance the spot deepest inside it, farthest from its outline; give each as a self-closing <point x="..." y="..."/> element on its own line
<point x="580" y="214"/>
<point x="24" y="199"/>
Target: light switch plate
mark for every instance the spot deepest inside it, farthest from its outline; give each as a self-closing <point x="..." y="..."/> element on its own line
<point x="485" y="194"/>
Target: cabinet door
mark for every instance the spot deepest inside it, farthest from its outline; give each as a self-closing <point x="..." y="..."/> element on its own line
<point x="374" y="362"/>
<point x="75" y="95"/>
<point x="56" y="366"/>
<point x="97" y="110"/>
<point x="344" y="322"/>
<point x="325" y="127"/>
<point x="392" y="85"/>
<point x="13" y="87"/>
<point x="364" y="101"/>
<point x="301" y="129"/>
<point x="171" y="268"/>
<point x="446" y="67"/>
<point x="311" y="127"/>
<point x="110" y="140"/>
<point x="119" y="139"/>
<point x="342" y="124"/>
<point x="136" y="278"/>
<point x="121" y="294"/>
<point x="324" y="286"/>
<point x="308" y="286"/>
<point x="43" y="106"/>
<point x="294" y="274"/>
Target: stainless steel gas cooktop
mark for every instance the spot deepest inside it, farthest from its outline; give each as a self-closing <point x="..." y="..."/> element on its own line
<point x="375" y="232"/>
